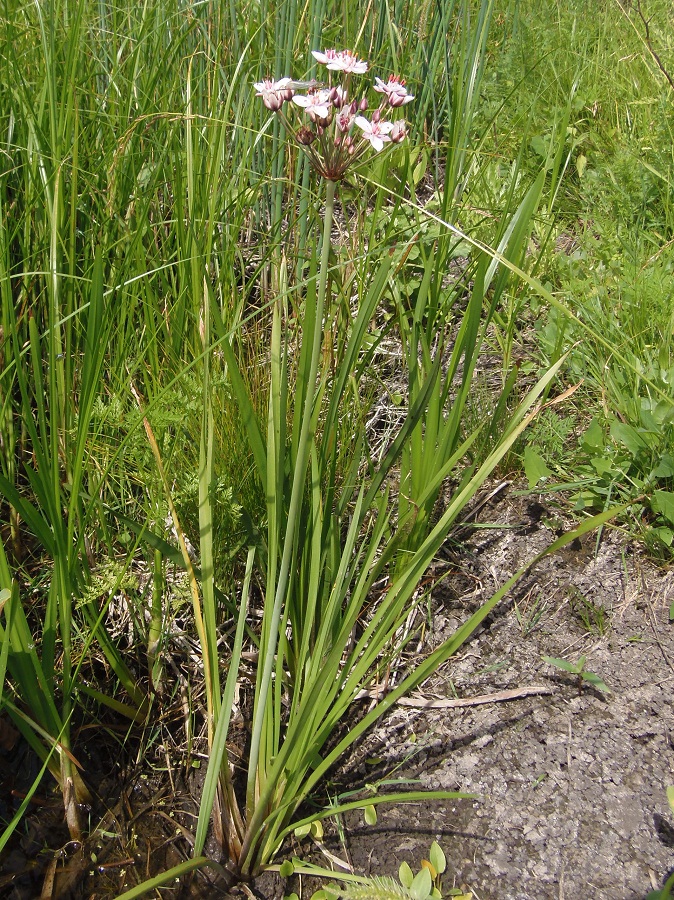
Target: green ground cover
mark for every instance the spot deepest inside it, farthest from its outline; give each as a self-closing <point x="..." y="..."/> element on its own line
<point x="604" y="76"/>
<point x="202" y="339"/>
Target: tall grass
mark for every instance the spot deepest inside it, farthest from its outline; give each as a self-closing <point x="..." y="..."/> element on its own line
<point x="609" y="239"/>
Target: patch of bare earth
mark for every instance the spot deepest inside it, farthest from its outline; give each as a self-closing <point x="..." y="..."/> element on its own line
<point x="570" y="785"/>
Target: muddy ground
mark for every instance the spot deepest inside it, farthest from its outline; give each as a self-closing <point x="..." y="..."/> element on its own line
<point x="571" y="785"/>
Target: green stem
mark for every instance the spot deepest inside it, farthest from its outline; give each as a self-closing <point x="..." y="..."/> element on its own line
<point x="258" y="810"/>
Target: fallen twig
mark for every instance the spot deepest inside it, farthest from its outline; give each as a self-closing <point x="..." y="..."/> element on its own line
<point x="498" y="697"/>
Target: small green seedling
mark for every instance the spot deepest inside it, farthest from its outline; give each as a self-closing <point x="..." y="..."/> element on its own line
<point x="529" y="613"/>
<point x="578" y="669"/>
<point x="593" y="616"/>
<point x="425" y="885"/>
<point x="313" y="830"/>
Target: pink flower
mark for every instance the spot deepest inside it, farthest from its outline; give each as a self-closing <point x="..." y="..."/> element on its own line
<point x="341" y="61"/>
<point x="377" y="133"/>
<point x="317" y="104"/>
<point x="395" y="90"/>
<point x="346" y="117"/>
<point x="274" y="93"/>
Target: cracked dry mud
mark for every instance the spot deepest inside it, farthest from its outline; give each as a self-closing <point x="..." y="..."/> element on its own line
<point x="571" y="786"/>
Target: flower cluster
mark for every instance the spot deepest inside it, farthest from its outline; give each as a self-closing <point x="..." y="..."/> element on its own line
<point x="334" y="130"/>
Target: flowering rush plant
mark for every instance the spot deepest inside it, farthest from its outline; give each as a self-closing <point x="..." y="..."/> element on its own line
<point x="332" y="128"/>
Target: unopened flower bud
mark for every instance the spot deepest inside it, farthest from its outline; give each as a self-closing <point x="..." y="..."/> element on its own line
<point x="305" y="136"/>
<point x="338" y="97"/>
<point x="363" y="104"/>
<point x="376" y="115"/>
<point x="399" y="131"/>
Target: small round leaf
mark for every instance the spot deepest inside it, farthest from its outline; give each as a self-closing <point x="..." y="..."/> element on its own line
<point x="428" y="865"/>
<point x="370" y="814"/>
<point x="437" y="858"/>
<point x="405" y="875"/>
<point x="422" y="885"/>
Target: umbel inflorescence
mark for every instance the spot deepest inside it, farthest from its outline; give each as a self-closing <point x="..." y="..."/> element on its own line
<point x="333" y="128"/>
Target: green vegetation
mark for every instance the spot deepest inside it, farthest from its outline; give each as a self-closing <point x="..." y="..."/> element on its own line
<point x="578" y="669"/>
<point x="425" y="885"/>
<point x="607" y="246"/>
<point x="233" y="392"/>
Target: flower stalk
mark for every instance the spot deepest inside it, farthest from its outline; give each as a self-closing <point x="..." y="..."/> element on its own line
<point x="257" y="805"/>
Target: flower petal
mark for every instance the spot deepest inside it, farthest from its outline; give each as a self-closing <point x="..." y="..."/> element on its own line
<point x="324" y="57"/>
